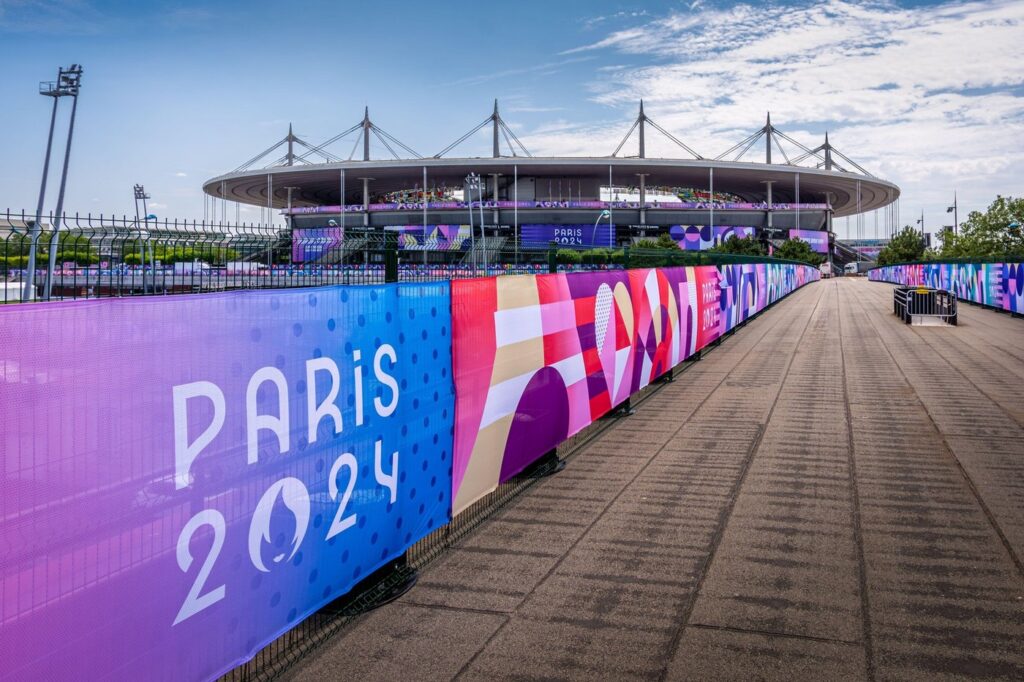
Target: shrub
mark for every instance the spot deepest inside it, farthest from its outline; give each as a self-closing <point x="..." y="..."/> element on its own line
<point x="569" y="256"/>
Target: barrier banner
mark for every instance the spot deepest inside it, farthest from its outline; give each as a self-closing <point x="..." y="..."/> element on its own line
<point x="1000" y="285"/>
<point x="539" y="357"/>
<point x="817" y="239"/>
<point x="186" y="477"/>
<point x="703" y="237"/>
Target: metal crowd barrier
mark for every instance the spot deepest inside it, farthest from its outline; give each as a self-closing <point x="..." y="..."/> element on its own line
<point x="924" y="305"/>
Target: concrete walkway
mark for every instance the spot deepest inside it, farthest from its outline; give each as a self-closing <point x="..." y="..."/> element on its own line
<point x="830" y="494"/>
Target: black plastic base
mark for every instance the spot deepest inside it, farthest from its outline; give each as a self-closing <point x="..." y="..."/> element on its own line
<point x="381" y="587"/>
<point x="548" y="465"/>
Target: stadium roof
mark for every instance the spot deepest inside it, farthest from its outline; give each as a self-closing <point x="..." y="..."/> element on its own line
<point x="841" y="182"/>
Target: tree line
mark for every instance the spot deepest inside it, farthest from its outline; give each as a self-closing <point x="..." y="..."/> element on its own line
<point x="993" y="234"/>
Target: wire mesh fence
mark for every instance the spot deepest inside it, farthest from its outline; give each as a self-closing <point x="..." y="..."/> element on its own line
<point x="97" y="257"/>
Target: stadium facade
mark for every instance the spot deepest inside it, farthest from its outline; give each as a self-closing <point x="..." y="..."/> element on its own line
<point x="514" y="194"/>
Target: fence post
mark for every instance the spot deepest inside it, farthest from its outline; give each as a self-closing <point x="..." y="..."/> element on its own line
<point x="625" y="258"/>
<point x="553" y="257"/>
<point x="390" y="256"/>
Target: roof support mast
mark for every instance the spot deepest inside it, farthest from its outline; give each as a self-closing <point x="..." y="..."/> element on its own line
<point x="366" y="134"/>
<point x="641" y="120"/>
<point x="495" y="120"/>
<point x="500" y="128"/>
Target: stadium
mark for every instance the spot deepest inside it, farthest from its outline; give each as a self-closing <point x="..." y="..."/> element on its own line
<point x="448" y="203"/>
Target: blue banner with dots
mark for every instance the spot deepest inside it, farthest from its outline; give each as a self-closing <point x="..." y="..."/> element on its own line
<point x="206" y="471"/>
<point x="371" y="404"/>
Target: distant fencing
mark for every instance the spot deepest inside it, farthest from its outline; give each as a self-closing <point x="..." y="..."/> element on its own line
<point x="115" y="257"/>
<point x="184" y="478"/>
<point x="997" y="285"/>
<point x="554" y="204"/>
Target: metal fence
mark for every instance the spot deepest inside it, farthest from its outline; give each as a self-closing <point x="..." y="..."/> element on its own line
<point x="924" y="305"/>
<point x="110" y="256"/>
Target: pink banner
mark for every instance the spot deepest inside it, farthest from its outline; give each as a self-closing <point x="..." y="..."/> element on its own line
<point x="537" y="358"/>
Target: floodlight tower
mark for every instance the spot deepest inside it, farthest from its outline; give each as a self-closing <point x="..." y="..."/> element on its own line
<point x="140" y="195"/>
<point x="67" y="85"/>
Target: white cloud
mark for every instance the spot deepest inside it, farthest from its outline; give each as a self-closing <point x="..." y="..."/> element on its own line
<point x="546" y="68"/>
<point x="180" y="174"/>
<point x="931" y="98"/>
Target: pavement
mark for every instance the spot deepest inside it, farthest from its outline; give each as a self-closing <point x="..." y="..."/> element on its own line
<point x="829" y="494"/>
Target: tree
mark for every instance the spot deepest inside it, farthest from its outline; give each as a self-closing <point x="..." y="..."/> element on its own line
<point x="665" y="241"/>
<point x="748" y="246"/>
<point x="908" y="245"/>
<point x="798" y="249"/>
<point x="996" y="233"/>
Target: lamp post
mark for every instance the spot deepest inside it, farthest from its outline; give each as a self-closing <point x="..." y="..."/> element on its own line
<point x="67" y="85"/>
<point x="473" y="183"/>
<point x="953" y="209"/>
<point x="603" y="214"/>
<point x="140" y="195"/>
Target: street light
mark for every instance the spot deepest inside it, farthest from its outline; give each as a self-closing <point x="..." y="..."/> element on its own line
<point x="953" y="209"/>
<point x="473" y="182"/>
<point x="140" y="195"/>
<point x="603" y="214"/>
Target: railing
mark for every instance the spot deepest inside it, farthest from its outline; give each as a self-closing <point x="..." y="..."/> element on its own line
<point x="923" y="305"/>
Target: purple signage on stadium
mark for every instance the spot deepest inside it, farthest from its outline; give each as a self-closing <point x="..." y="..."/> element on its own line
<point x="551" y="203"/>
<point x="816" y="238"/>
<point x="568" y="235"/>
<point x="432" y="237"/>
<point x="313" y="244"/>
<point x="701" y="237"/>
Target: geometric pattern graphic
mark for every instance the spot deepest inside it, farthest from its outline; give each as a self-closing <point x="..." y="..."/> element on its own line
<point x="537" y="358"/>
<point x="999" y="285"/>
<point x="432" y="237"/>
<point x="702" y="237"/>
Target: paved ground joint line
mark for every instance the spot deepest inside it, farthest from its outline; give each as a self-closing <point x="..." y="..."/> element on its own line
<point x="726" y="514"/>
<point x="615" y="498"/>
<point x="949" y="451"/>
<point x="865" y="602"/>
<point x="772" y="633"/>
<point x="966" y="378"/>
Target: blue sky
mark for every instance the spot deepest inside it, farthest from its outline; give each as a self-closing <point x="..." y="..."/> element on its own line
<point x="928" y="95"/>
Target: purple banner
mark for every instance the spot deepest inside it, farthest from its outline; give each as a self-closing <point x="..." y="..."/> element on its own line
<point x="999" y="285"/>
<point x="587" y="204"/>
<point x="184" y="478"/>
<point x="315" y="243"/>
<point x="817" y="239"/>
<point x="568" y="235"/>
<point x="432" y="237"/>
<point x="701" y="237"/>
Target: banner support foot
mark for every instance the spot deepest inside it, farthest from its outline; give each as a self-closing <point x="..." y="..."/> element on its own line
<point x="548" y="465"/>
<point x="383" y="586"/>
